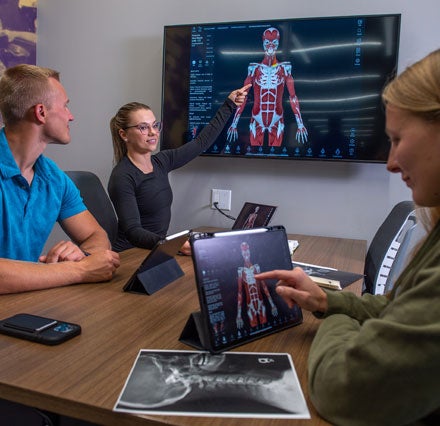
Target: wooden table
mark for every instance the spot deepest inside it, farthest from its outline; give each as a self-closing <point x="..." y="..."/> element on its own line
<point x="83" y="377"/>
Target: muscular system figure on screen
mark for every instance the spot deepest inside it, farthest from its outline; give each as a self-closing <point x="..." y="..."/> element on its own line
<point x="255" y="305"/>
<point x="250" y="220"/>
<point x="268" y="79"/>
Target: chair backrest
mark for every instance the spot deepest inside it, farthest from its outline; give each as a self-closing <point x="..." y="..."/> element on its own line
<point x="385" y="247"/>
<point x="96" y="200"/>
<point x="410" y="240"/>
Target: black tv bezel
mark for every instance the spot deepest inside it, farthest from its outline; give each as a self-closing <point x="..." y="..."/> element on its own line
<point x="273" y="22"/>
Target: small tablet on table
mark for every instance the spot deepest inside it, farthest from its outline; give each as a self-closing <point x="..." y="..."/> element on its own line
<point x="160" y="267"/>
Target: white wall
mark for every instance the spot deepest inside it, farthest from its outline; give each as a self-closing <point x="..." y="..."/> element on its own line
<point x="109" y="52"/>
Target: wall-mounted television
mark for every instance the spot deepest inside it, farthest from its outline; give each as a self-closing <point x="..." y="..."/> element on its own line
<point x="316" y="86"/>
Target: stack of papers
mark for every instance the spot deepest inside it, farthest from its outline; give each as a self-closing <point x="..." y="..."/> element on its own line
<point x="293" y="245"/>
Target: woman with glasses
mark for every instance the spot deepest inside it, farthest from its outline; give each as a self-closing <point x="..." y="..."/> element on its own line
<point x="139" y="186"/>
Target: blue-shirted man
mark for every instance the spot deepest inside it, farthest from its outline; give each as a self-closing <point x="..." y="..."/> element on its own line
<point x="35" y="193"/>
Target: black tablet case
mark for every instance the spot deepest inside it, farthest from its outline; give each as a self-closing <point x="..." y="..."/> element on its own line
<point x="159" y="268"/>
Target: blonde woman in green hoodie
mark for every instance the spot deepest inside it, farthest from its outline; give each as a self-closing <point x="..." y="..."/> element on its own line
<point x="375" y="359"/>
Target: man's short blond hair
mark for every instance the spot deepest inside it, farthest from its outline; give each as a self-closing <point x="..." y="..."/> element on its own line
<point x="22" y="87"/>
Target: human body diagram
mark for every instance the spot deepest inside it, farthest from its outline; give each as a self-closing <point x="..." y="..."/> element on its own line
<point x="254" y="289"/>
<point x="250" y="220"/>
<point x="269" y="80"/>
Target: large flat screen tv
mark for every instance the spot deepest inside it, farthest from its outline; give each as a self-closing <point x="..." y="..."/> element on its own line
<point x="316" y="86"/>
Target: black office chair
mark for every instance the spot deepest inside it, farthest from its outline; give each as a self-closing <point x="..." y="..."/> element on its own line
<point x="14" y="414"/>
<point x="96" y="200"/>
<point x="391" y="237"/>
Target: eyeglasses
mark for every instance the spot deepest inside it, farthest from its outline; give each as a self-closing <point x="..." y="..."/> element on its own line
<point x="145" y="128"/>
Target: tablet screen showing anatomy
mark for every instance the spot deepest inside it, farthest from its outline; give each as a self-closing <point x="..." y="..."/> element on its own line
<point x="254" y="215"/>
<point x="235" y="307"/>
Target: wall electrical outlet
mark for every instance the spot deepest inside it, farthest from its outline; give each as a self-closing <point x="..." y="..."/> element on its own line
<point x="222" y="197"/>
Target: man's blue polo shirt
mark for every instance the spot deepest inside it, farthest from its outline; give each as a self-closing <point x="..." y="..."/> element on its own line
<point x="28" y="213"/>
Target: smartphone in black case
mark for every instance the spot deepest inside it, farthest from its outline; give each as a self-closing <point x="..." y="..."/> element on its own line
<point x="39" y="329"/>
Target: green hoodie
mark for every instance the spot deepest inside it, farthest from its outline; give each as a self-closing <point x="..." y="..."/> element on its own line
<point x="375" y="360"/>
